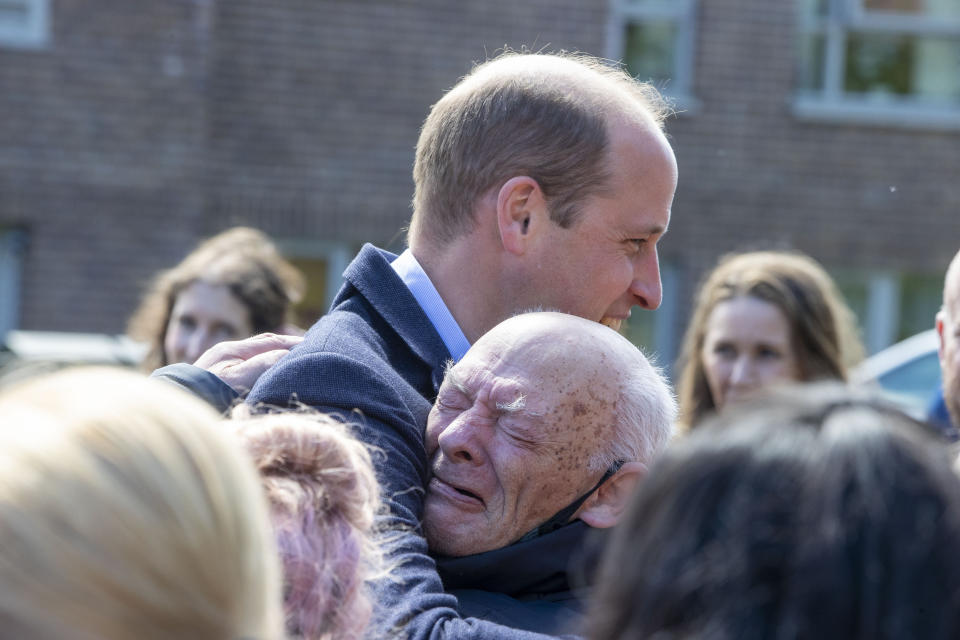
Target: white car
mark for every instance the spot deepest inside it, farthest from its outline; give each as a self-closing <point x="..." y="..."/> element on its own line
<point x="908" y="371"/>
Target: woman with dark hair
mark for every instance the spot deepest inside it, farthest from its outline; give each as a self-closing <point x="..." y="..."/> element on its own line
<point x="818" y="514"/>
<point x="232" y="286"/>
<point x="762" y="318"/>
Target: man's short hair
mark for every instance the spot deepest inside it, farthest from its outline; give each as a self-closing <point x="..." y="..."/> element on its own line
<point x="522" y="114"/>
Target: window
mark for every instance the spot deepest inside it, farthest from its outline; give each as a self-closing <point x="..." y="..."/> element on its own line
<point x="891" y="62"/>
<point x="655" y="332"/>
<point x="24" y="23"/>
<point x="891" y="306"/>
<point x="12" y="245"/>
<point x="654" y="38"/>
<point x="322" y="265"/>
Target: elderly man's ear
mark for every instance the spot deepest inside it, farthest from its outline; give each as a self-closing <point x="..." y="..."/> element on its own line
<point x="521" y="213"/>
<point x="604" y="508"/>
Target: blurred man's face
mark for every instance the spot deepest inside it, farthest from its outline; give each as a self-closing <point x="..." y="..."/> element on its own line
<point x="509" y="440"/>
<point x="948" y="328"/>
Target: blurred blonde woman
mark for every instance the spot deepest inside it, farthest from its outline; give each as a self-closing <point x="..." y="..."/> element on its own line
<point x="323" y="495"/>
<point x="232" y="286"/>
<point x="126" y="511"/>
<point x="763" y="318"/>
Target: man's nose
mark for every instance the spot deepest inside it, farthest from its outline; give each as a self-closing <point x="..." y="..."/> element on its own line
<point x="460" y="441"/>
<point x="646" y="285"/>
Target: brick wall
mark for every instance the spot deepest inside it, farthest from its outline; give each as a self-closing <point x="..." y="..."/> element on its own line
<point x="145" y="126"/>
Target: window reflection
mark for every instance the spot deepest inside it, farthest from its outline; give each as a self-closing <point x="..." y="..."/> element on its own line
<point x="650" y="50"/>
<point x="884" y="64"/>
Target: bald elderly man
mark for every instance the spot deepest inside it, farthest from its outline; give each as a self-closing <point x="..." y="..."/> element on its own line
<point x="948" y="331"/>
<point x="538" y="434"/>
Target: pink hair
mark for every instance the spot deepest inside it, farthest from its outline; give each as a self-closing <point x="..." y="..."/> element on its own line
<point x="323" y="495"/>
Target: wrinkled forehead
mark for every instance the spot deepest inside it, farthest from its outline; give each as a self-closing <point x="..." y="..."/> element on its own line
<point x="553" y="368"/>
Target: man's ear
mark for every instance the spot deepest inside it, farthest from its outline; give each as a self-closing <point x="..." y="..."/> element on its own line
<point x="521" y="211"/>
<point x="940" y="324"/>
<point x="604" y="508"/>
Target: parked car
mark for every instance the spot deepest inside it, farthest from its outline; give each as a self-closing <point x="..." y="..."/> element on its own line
<point x="26" y="353"/>
<point x="908" y="371"/>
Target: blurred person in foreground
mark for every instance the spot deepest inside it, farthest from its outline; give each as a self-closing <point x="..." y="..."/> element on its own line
<point x="538" y="437"/>
<point x="540" y="181"/>
<point x="323" y="496"/>
<point x="946" y="410"/>
<point x="232" y="286"/>
<point x="128" y="514"/>
<point x="763" y="318"/>
<point x="813" y="513"/>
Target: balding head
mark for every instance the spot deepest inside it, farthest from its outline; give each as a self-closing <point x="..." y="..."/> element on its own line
<point x="537" y="115"/>
<point x="948" y="330"/>
<point x="529" y="420"/>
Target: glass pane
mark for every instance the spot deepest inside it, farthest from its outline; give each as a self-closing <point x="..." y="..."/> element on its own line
<point x="638" y="329"/>
<point x="939" y="8"/>
<point x="650" y="50"/>
<point x="918" y="377"/>
<point x="13" y="12"/>
<point x="884" y="65"/>
<point x="814" y="8"/>
<point x="920" y="299"/>
<point x="646" y="4"/>
<point x="853" y="286"/>
<point x="313" y="305"/>
<point x="812" y="54"/>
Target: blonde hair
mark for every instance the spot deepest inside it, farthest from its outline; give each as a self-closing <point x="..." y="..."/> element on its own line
<point x="125" y="512"/>
<point x="823" y="330"/>
<point x="323" y="496"/>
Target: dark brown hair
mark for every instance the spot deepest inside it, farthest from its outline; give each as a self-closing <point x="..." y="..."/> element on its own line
<point x="815" y="513"/>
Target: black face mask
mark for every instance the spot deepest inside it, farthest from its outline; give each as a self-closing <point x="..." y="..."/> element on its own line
<point x="563" y="516"/>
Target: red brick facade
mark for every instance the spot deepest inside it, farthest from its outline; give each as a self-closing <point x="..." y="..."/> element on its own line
<point x="141" y="127"/>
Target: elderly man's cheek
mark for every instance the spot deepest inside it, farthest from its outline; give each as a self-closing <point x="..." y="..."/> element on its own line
<point x="571" y="458"/>
<point x="431" y="438"/>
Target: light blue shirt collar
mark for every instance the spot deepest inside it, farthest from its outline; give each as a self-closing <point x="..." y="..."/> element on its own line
<point x="432" y="304"/>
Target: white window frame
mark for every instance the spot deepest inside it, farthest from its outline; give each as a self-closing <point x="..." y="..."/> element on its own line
<point x="31" y="33"/>
<point x="834" y="104"/>
<point x="12" y="247"/>
<point x="683" y="13"/>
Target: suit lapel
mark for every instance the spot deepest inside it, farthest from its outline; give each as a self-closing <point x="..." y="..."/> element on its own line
<point x="371" y="274"/>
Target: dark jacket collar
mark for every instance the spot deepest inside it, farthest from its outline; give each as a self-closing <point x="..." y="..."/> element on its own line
<point x="370" y="273"/>
<point x="539" y="566"/>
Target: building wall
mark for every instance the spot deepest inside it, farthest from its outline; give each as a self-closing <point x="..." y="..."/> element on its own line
<point x="139" y="129"/>
<point x="101" y="137"/>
